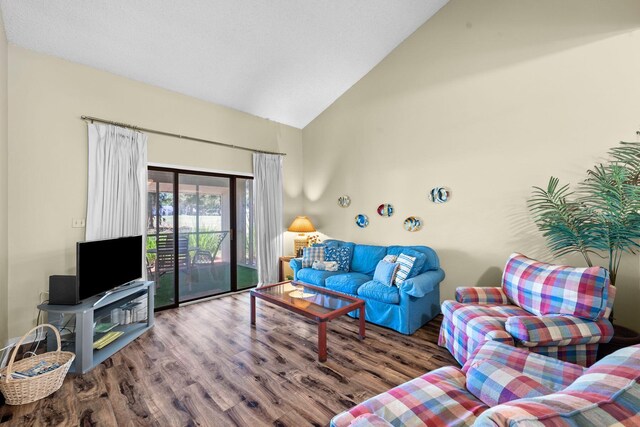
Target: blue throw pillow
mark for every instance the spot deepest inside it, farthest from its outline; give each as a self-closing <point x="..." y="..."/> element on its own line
<point x="339" y="254"/>
<point x="385" y="272"/>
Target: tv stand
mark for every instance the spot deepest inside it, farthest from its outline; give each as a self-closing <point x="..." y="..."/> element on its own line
<point x="127" y="310"/>
<point x="121" y="288"/>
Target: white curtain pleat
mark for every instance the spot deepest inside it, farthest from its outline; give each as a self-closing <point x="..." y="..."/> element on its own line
<point x="117" y="190"/>
<point x="267" y="181"/>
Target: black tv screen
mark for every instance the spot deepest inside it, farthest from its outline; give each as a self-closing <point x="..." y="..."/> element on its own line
<point x="106" y="264"/>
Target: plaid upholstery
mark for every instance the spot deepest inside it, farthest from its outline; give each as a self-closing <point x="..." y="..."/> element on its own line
<point x="552" y="373"/>
<point x="555" y="289"/>
<point x="310" y="254"/>
<point x="534" y="331"/>
<point x="564" y="300"/>
<point x="369" y="420"/>
<point x="478" y="295"/>
<point x="466" y="326"/>
<point x="611" y="297"/>
<point x="608" y="394"/>
<point x="494" y="383"/>
<point x="438" y="398"/>
<point x="580" y="354"/>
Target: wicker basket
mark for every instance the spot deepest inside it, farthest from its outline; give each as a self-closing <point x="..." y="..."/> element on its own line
<point x="27" y="390"/>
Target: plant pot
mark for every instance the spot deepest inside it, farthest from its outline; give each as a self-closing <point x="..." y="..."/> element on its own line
<point x="622" y="337"/>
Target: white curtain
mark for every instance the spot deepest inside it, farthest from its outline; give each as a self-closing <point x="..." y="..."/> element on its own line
<point x="267" y="182"/>
<point x="117" y="195"/>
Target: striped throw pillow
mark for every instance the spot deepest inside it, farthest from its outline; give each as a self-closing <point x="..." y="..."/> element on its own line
<point x="406" y="263"/>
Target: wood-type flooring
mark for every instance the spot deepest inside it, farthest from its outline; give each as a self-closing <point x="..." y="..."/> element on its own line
<point x="204" y="365"/>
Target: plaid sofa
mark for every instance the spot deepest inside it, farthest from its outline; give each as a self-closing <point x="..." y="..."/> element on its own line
<point x="553" y="310"/>
<point x="505" y="386"/>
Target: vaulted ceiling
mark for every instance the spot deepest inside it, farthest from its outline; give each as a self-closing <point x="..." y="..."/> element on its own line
<point x="284" y="60"/>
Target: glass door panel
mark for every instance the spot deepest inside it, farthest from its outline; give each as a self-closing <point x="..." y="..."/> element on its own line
<point x="246" y="261"/>
<point x="160" y="256"/>
<point x="204" y="235"/>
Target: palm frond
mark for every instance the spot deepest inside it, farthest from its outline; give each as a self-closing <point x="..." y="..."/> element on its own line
<point x="603" y="215"/>
<point x="560" y="220"/>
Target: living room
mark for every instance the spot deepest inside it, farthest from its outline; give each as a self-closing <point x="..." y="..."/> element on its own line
<point x="486" y="98"/>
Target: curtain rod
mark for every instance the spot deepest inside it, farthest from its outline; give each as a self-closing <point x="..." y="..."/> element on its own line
<point x="175" y="135"/>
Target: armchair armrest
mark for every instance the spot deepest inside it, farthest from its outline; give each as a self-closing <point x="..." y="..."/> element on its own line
<point x="480" y="295"/>
<point x="495" y="384"/>
<point x="550" y="372"/>
<point x="558" y="330"/>
<point x="422" y="284"/>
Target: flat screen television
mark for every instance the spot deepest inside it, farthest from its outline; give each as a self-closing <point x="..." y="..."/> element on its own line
<point x="102" y="265"/>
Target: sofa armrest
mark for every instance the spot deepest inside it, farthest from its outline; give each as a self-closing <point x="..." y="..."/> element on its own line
<point x="558" y="330"/>
<point x="550" y="372"/>
<point x="422" y="284"/>
<point x="481" y="295"/>
<point x="296" y="265"/>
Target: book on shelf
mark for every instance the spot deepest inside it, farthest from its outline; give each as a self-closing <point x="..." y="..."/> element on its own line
<point x="107" y="339"/>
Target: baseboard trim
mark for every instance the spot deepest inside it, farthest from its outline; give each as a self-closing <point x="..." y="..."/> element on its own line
<point x="184" y="304"/>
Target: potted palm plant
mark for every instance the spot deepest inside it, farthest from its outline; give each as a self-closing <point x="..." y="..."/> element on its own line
<point x="601" y="218"/>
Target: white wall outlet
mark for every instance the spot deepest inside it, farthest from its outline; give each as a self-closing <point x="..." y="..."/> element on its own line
<point x="77" y="223"/>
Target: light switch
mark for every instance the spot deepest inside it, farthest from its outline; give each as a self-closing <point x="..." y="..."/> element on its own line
<point x="77" y="223"/>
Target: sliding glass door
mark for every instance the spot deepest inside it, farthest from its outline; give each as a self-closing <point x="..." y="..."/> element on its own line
<point x="209" y="248"/>
<point x="160" y="259"/>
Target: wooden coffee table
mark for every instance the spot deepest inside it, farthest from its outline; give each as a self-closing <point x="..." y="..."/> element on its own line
<point x="318" y="304"/>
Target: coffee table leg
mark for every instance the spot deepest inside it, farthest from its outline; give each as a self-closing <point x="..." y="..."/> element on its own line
<point x="253" y="310"/>
<point x="362" y="322"/>
<point x="322" y="341"/>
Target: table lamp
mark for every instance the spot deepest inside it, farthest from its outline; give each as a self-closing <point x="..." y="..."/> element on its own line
<point x="301" y="225"/>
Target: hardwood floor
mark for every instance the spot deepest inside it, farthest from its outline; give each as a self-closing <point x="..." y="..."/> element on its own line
<point x="203" y="365"/>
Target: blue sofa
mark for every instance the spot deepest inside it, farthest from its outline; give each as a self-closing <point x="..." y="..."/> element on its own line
<point x="404" y="309"/>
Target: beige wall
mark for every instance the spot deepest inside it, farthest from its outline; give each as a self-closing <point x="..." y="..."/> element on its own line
<point x="489" y="98"/>
<point x="47" y="148"/>
<point x="3" y="186"/>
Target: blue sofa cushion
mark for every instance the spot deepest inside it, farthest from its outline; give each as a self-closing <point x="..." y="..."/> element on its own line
<point x="347" y="283"/>
<point x="315" y="277"/>
<point x="377" y="291"/>
<point x="431" y="262"/>
<point x="366" y="258"/>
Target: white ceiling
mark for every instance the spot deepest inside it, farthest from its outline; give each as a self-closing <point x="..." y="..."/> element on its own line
<point x="284" y="60"/>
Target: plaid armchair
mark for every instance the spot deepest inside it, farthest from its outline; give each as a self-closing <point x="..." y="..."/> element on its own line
<point x="553" y="310"/>
<point x="505" y="386"/>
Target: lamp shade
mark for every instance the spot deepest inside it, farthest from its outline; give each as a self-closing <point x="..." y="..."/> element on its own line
<point x="302" y="224"/>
